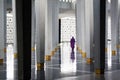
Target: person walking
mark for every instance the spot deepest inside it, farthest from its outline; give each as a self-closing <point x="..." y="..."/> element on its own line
<point x="72" y="43"/>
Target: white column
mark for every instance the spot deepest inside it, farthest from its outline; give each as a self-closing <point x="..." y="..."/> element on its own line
<point x="89" y="29"/>
<point x="51" y="28"/>
<point x="119" y="29"/>
<point x="83" y="27"/>
<point x="78" y="24"/>
<point x="107" y="14"/>
<point x="40" y="32"/>
<point x="55" y="23"/>
<point x="33" y="57"/>
<point x="2" y="29"/>
<point x="14" y="24"/>
<point x="48" y="28"/>
<point x="97" y="33"/>
<point x="114" y="24"/>
<point x="80" y="17"/>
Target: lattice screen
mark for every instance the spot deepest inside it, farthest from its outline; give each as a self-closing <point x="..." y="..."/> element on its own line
<point x="10" y="28"/>
<point x="68" y="29"/>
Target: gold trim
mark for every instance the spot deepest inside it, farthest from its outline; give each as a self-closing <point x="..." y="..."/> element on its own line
<point x="15" y="55"/>
<point x="40" y="66"/>
<point x="98" y="71"/>
<point x="80" y="51"/>
<point x="118" y="46"/>
<point x="56" y="49"/>
<point x="1" y="61"/>
<point x="83" y="54"/>
<point x="106" y="49"/>
<point x="33" y="49"/>
<point x="113" y="52"/>
<point x="52" y="53"/>
<point x="77" y="48"/>
<point x="89" y="60"/>
<point x="48" y="57"/>
<point x="4" y="50"/>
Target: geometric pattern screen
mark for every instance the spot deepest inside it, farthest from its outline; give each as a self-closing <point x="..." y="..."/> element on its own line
<point x="68" y="29"/>
<point x="10" y="28"/>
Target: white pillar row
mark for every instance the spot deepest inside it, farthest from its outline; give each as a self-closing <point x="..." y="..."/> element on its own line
<point x="40" y="6"/>
<point x="89" y="30"/>
<point x="2" y="29"/>
<point x="80" y="17"/>
<point x="14" y="24"/>
<point x="114" y="24"/>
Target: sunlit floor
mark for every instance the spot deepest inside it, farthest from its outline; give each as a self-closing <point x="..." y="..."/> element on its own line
<point x="65" y="65"/>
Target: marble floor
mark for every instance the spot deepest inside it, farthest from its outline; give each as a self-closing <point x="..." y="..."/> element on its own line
<point x="63" y="66"/>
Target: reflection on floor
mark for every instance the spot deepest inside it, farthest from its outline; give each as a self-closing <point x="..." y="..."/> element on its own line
<point x="61" y="67"/>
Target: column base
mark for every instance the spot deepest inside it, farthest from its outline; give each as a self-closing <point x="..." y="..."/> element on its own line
<point x="1" y="61"/>
<point x="48" y="57"/>
<point x="33" y="49"/>
<point x="15" y="55"/>
<point x="83" y="54"/>
<point x="118" y="46"/>
<point x="52" y="53"/>
<point x="113" y="52"/>
<point x="4" y="50"/>
<point x="80" y="51"/>
<point x="40" y="66"/>
<point x="77" y="48"/>
<point x="89" y="60"/>
<point x="99" y="71"/>
<point x="56" y="49"/>
<point x="106" y="49"/>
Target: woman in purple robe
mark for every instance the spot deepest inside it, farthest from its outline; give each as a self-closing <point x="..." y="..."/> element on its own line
<point x="72" y="44"/>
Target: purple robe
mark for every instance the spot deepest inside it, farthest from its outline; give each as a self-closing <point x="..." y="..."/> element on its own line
<point x="72" y="42"/>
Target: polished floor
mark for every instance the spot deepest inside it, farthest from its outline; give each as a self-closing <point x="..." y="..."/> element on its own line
<point x="63" y="66"/>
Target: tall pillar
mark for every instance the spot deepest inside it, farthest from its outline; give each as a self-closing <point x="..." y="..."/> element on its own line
<point x="23" y="24"/>
<point x="78" y="24"/>
<point x="80" y="29"/>
<point x="2" y="30"/>
<point x="48" y="29"/>
<point x="14" y="24"/>
<point x="55" y="28"/>
<point x="33" y="57"/>
<point x="106" y="32"/>
<point x="99" y="35"/>
<point x="89" y="30"/>
<point x="114" y="25"/>
<point x="118" y="41"/>
<point x="51" y="28"/>
<point x="40" y="6"/>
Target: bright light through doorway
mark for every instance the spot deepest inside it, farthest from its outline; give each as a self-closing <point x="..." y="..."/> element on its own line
<point x="10" y="62"/>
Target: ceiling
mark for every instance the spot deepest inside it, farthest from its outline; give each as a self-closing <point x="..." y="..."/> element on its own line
<point x="66" y="13"/>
